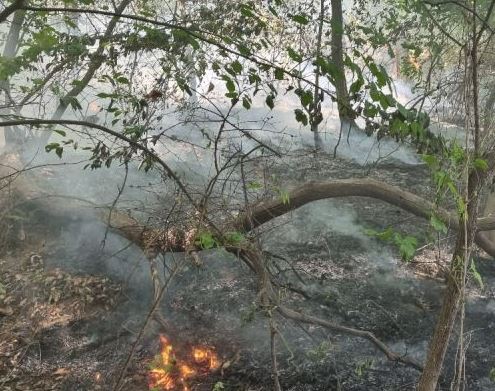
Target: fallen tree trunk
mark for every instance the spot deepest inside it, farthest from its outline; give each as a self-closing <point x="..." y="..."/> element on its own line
<point x="158" y="240"/>
<point x="313" y="191"/>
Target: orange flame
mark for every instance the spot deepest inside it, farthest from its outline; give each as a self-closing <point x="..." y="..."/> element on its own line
<point x="186" y="371"/>
<point x="205" y="355"/>
<point x="169" y="373"/>
<point x="161" y="379"/>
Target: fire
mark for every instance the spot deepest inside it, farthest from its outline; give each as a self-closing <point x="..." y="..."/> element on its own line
<point x="186" y="371"/>
<point x="170" y="373"/>
<point x="206" y="356"/>
<point x="161" y="379"/>
<point x="166" y="352"/>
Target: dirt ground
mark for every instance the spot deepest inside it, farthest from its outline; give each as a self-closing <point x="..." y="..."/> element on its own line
<point x="70" y="309"/>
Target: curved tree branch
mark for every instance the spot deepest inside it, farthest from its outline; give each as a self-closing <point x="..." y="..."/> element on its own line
<point x="136" y="233"/>
<point x="269" y="299"/>
<point x="7" y="11"/>
<point x="303" y="318"/>
<point x="314" y="191"/>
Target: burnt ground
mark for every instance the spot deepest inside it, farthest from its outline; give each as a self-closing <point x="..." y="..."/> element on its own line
<point x="72" y="309"/>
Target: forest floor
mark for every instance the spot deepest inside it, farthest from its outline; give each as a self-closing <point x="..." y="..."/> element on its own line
<point x="70" y="310"/>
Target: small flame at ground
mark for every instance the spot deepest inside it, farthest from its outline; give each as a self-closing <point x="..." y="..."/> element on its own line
<point x="206" y="356"/>
<point x="170" y="373"/>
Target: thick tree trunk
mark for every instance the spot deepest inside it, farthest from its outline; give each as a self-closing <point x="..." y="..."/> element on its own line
<point x="315" y="116"/>
<point x="343" y="102"/>
<point x="489" y="211"/>
<point x="453" y="294"/>
<point x="13" y="135"/>
<point x="488" y="128"/>
<point x="441" y="336"/>
<point x="466" y="233"/>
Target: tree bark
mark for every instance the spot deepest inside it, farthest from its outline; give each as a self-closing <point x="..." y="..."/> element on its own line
<point x="10" y="10"/>
<point x="315" y="115"/>
<point x="267" y="210"/>
<point x="342" y="93"/>
<point x="475" y="182"/>
<point x="12" y="135"/>
<point x="314" y="191"/>
<point x="453" y="293"/>
<point x="139" y="235"/>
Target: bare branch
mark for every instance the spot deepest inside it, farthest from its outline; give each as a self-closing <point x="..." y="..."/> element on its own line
<point x="17" y="4"/>
<point x="314" y="191"/>
<point x="37" y="122"/>
<point x="300" y="317"/>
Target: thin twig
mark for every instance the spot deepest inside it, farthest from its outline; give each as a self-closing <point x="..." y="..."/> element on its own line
<point x="118" y="385"/>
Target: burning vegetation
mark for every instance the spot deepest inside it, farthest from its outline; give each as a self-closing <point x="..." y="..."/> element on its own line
<point x="168" y="371"/>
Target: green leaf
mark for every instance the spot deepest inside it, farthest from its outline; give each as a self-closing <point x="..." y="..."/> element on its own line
<point x="417" y="130"/>
<point x="254" y="186"/>
<point x="370" y="232"/>
<point x="407" y="247"/>
<point x="270" y="101"/>
<point x="181" y="36"/>
<point x="61" y="132"/>
<point x="229" y="84"/>
<point x="406" y="244"/>
<point x="480" y="164"/>
<point x="301" y="19"/>
<point x="380" y="74"/>
<point x="219" y="386"/>
<point x="279" y="74"/>
<point x="385" y="235"/>
<point x="301" y="117"/>
<point x="375" y="95"/>
<point x="236" y="67"/>
<point x="284" y="196"/>
<point x="476" y="275"/>
<point x="59" y="151"/>
<point x="45" y="39"/>
<point x="430" y="160"/>
<point x="327" y="67"/>
<point x="206" y="241"/>
<point x="294" y="55"/>
<point x="106" y="95"/>
<point x="272" y="10"/>
<point x="306" y="98"/>
<point x="122" y="80"/>
<point x="73" y="102"/>
<point x="246" y="102"/>
<point x="75" y="49"/>
<point x="437" y="224"/>
<point x="370" y="110"/>
<point x="9" y="67"/>
<point x="246" y="11"/>
<point x="55" y="147"/>
<point x="356" y="85"/>
<point x="234" y="238"/>
<point x="244" y="50"/>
